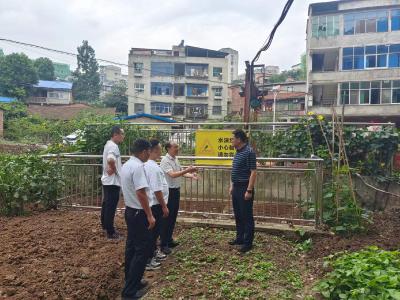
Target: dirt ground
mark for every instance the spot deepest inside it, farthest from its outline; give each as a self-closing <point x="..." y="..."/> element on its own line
<point x="64" y="255"/>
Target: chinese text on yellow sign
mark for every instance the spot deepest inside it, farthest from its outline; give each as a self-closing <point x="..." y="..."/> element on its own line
<point x="217" y="143"/>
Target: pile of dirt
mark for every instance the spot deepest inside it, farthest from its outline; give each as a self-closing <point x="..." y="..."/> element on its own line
<point x="59" y="255"/>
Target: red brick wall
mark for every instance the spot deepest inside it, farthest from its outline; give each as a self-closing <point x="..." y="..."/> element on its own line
<point x="237" y="105"/>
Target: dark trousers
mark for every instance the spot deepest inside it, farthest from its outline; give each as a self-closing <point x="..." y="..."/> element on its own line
<point x="109" y="206"/>
<point x="243" y="210"/>
<point x="155" y="232"/>
<point x="137" y="251"/>
<point x="168" y="224"/>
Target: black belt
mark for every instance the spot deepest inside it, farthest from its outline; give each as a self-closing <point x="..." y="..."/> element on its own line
<point x="244" y="183"/>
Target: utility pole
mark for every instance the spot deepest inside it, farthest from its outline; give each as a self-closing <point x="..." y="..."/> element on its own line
<point x="247" y="92"/>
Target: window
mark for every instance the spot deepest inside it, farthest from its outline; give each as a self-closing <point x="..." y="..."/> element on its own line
<point x="396" y="91"/>
<point x="217" y="72"/>
<point x="366" y="22"/>
<point x="395" y="19"/>
<point x="386" y="92"/>
<point x="179" y="69"/>
<point x="197" y="90"/>
<point x="161" y="108"/>
<point x="138" y="68"/>
<point x="162" y="69"/>
<point x="217" y="110"/>
<point x="374" y="56"/>
<point x="196" y="70"/>
<point x="139" y="88"/>
<point x="178" y="109"/>
<point x="372" y="93"/>
<point x="139" y="108"/>
<point x="323" y="26"/>
<point x="197" y="111"/>
<point x="217" y="92"/>
<point x="353" y="58"/>
<point x="55" y="95"/>
<point x="179" y="89"/>
<point x="394" y="56"/>
<point x="161" y="88"/>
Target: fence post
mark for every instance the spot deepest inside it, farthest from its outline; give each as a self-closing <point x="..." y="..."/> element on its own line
<point x="319" y="181"/>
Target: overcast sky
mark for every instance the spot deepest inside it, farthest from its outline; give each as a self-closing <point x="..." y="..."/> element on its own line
<point x="113" y="27"/>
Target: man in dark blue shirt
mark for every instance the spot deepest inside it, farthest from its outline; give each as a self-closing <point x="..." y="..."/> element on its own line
<point x="242" y="190"/>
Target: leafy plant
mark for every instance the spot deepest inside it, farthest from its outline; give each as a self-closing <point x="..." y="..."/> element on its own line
<point x="28" y="180"/>
<point x="371" y="273"/>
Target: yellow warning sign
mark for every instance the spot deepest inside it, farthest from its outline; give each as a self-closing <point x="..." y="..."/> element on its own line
<point x="217" y="143"/>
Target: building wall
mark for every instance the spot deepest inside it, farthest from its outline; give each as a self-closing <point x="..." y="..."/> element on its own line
<point x="233" y="64"/>
<point x="335" y="44"/>
<point x="237" y="102"/>
<point x="145" y="78"/>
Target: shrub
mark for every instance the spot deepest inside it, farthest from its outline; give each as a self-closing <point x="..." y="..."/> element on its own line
<point x="28" y="179"/>
<point x="367" y="274"/>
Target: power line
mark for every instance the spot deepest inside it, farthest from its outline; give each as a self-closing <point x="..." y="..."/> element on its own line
<point x="268" y="42"/>
<point x="98" y="59"/>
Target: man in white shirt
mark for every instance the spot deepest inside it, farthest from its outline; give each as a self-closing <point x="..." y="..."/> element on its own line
<point x="139" y="219"/>
<point x="173" y="173"/>
<point x="159" y="198"/>
<point x="111" y="181"/>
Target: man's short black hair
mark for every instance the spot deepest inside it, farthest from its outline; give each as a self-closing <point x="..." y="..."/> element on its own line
<point x="167" y="146"/>
<point x="115" y="130"/>
<point x="241" y="135"/>
<point x="154" y="143"/>
<point x="140" y="145"/>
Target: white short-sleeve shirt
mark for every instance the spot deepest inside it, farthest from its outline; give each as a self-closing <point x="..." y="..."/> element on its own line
<point x="111" y="151"/>
<point x="157" y="182"/>
<point x="169" y="163"/>
<point x="133" y="178"/>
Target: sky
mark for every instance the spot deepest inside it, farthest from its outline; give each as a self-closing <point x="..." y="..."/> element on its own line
<point x="113" y="27"/>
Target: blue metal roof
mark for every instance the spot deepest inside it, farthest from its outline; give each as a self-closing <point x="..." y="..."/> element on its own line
<point x="7" y="99"/>
<point x="154" y="117"/>
<point x="55" y="85"/>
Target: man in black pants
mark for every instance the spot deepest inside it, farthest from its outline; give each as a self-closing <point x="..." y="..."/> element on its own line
<point x="111" y="181"/>
<point x="139" y="220"/>
<point x="158" y="199"/>
<point x="173" y="173"/>
<point x="242" y="190"/>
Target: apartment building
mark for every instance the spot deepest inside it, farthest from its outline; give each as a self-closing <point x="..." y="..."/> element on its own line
<point x="353" y="54"/>
<point x="233" y="64"/>
<point x="109" y="76"/>
<point x="186" y="83"/>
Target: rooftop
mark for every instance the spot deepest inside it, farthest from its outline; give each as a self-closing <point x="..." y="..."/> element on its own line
<point x="150" y="116"/>
<point x="190" y="51"/>
<point x="285" y="96"/>
<point x="55" y="85"/>
<point x="7" y="99"/>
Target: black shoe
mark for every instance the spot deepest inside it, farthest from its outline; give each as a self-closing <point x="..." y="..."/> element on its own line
<point x="173" y="244"/>
<point x="139" y="294"/>
<point x="235" y="242"/>
<point x="166" y="250"/>
<point x="114" y="236"/>
<point x="245" y="248"/>
<point x="143" y="283"/>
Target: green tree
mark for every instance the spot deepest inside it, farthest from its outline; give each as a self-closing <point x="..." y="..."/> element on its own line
<point x="117" y="97"/>
<point x="86" y="85"/>
<point x="45" y="69"/>
<point x="17" y="75"/>
<point x="303" y="68"/>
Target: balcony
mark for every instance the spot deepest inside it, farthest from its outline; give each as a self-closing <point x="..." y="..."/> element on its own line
<point x="325" y="60"/>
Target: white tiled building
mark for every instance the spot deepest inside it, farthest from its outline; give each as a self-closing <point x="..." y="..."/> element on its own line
<point x="186" y="83"/>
